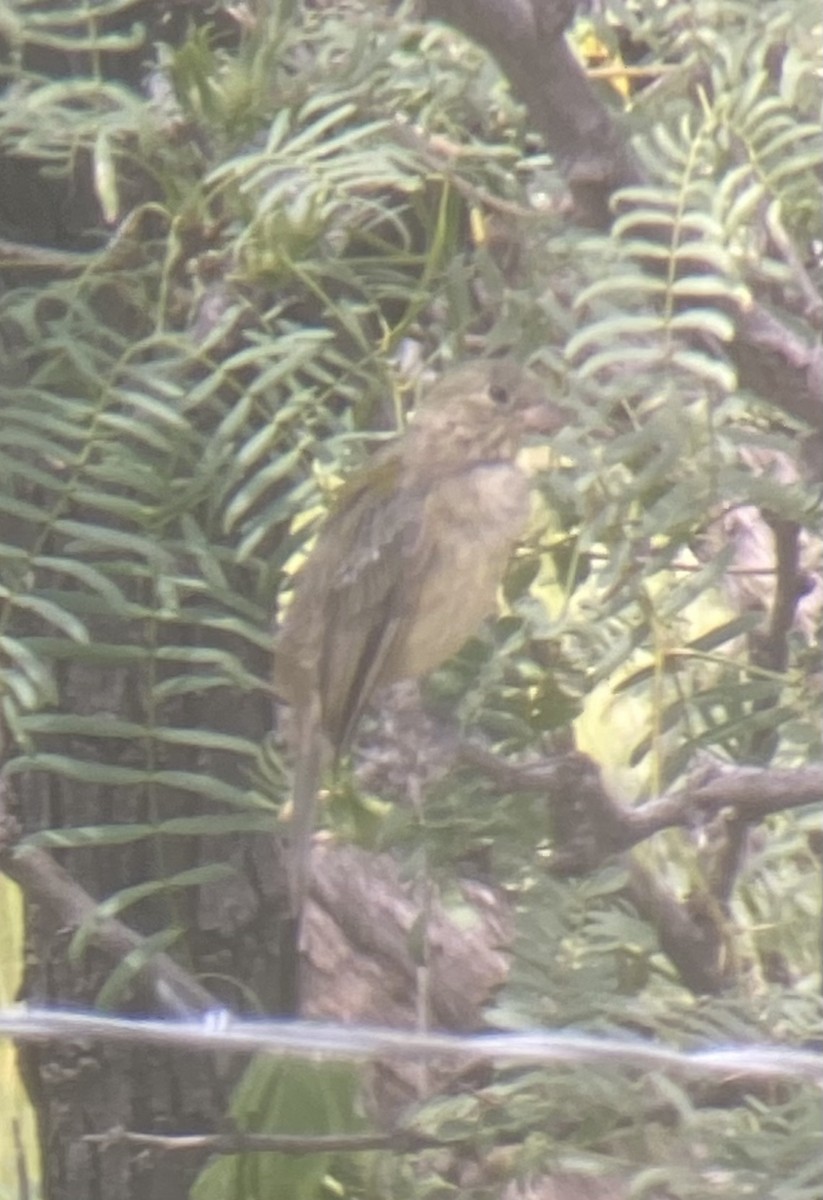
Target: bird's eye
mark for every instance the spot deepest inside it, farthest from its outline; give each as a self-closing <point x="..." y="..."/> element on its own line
<point x="499" y="394"/>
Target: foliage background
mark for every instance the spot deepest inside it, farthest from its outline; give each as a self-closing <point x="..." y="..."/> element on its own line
<point x="242" y="237"/>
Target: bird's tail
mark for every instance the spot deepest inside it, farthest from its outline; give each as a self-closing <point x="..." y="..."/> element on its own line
<point x="311" y="761"/>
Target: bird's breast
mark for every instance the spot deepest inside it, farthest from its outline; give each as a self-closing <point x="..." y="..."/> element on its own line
<point x="471" y="523"/>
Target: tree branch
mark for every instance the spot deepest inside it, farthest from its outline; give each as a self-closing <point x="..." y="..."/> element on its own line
<point x="752" y="792"/>
<point x="401" y="1142"/>
<point x="527" y="39"/>
<point x="591" y="827"/>
<point x="689" y="935"/>
<point x="158" y="981"/>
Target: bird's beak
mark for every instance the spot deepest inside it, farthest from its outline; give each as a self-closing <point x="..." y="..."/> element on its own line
<point x="544" y="417"/>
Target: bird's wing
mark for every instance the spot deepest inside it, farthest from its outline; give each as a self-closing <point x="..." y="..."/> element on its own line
<point x="312" y="755"/>
<point x="355" y="592"/>
<point x="369" y="598"/>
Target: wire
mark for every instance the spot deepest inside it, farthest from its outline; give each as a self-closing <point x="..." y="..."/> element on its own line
<point x="219" y="1031"/>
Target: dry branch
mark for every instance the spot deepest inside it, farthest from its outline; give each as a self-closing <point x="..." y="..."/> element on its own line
<point x="527" y="38"/>
<point x="158" y="982"/>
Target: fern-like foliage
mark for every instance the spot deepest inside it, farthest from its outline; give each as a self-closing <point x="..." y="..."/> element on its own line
<point x="275" y="240"/>
<point x="274" y="219"/>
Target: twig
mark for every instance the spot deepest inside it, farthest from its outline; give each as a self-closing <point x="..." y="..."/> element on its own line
<point x="621" y="71"/>
<point x="591" y="827"/>
<point x="811" y="304"/>
<point x="689" y="936"/>
<point x="402" y="1142"/>
<point x="159" y="981"/>
<point x="40" y="258"/>
<point x="792" y="585"/>
<point x="751" y="792"/>
<point x="527" y="39"/>
<point x="436" y="153"/>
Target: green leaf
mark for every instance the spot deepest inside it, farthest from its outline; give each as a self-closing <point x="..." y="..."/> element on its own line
<point x="51" y="613"/>
<point x="109" y="538"/>
<point x="129" y="967"/>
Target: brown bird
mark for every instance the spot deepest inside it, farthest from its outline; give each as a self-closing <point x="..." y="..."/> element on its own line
<point x="406" y="566"/>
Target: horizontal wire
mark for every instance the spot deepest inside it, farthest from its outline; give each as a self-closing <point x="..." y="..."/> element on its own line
<point x="219" y="1031"/>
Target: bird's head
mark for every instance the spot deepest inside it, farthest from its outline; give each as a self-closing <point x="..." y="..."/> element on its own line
<point x="483" y="410"/>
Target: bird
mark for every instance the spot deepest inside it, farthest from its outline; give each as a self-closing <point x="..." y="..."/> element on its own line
<point x="405" y="568"/>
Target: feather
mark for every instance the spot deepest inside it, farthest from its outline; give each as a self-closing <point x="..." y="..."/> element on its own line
<point x="405" y="567"/>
